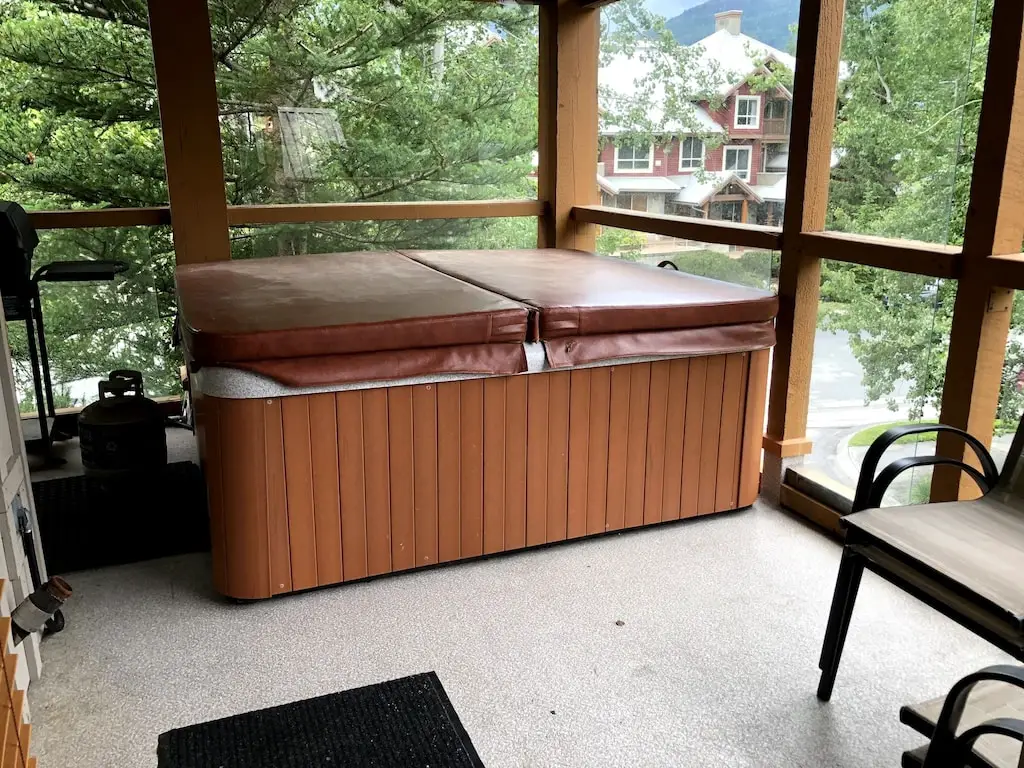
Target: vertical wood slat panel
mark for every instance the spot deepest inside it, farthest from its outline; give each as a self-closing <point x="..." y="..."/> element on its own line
<point x="243" y="473"/>
<point x="536" y="459"/>
<point x="618" y="425"/>
<point x="636" y="450"/>
<point x="710" y="434"/>
<point x="515" y="462"/>
<point x="675" y="421"/>
<point x="579" y="429"/>
<point x="400" y="451"/>
<point x="351" y="473"/>
<point x="450" y="437"/>
<point x="376" y="476"/>
<point x="472" y="487"/>
<point x="277" y="499"/>
<point x="690" y="484"/>
<point x="210" y="441"/>
<point x="323" y="438"/>
<point x="424" y="441"/>
<point x="494" y="465"/>
<point x="753" y="427"/>
<point x="12" y="745"/>
<point x="558" y="456"/>
<point x="26" y="741"/>
<point x="597" y="451"/>
<point x="657" y="415"/>
<point x="728" y="480"/>
<point x="299" y="487"/>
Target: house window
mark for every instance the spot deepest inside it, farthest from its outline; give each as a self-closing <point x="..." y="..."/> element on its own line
<point x="631" y="202"/>
<point x="691" y="153"/>
<point x="748" y="112"/>
<point x="636" y="159"/>
<point x="775" y="109"/>
<point x="771" y="162"/>
<point x="737" y="160"/>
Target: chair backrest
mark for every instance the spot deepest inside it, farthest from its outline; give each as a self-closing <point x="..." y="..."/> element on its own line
<point x="18" y="240"/>
<point x="1011" y="479"/>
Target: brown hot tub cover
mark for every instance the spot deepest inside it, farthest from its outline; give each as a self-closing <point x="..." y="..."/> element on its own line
<point x="581" y="294"/>
<point x="336" y="305"/>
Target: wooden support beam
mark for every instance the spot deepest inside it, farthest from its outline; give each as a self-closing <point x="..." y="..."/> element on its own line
<point x="1004" y="270"/>
<point x="245" y="215"/>
<point x="819" y="40"/>
<point x="901" y="255"/>
<point x="567" y="113"/>
<point x="995" y="225"/>
<point x="100" y="217"/>
<point x="187" y="93"/>
<point x="703" y="230"/>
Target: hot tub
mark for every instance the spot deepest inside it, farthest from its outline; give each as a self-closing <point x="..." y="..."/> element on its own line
<point x="365" y="413"/>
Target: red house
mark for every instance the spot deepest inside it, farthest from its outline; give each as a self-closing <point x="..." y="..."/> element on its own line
<point x="726" y="163"/>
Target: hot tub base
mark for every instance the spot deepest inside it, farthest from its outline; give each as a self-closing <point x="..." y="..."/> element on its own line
<point x="310" y="490"/>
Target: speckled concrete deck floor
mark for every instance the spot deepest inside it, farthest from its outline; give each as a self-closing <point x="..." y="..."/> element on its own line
<point x="715" y="665"/>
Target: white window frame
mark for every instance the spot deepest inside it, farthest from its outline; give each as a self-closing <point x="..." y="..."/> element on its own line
<point x="757" y="113"/>
<point x="738" y="148"/>
<point x="620" y="169"/>
<point x="703" y="153"/>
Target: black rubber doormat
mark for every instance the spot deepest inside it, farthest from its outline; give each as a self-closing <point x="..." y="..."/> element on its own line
<point x="88" y="522"/>
<point x="405" y="723"/>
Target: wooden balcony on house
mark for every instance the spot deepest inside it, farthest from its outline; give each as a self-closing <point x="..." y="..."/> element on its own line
<point x="775" y="127"/>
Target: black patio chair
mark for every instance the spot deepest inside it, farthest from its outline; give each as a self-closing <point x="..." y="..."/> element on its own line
<point x="19" y="287"/>
<point x="961" y="725"/>
<point x="963" y="558"/>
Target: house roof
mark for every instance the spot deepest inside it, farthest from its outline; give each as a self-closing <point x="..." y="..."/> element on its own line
<point x="623" y="75"/>
<point x="733" y="56"/>
<point x="616" y="185"/>
<point x="305" y="134"/>
<point x="698" y="188"/>
<point x="775" y="193"/>
<point x="737" y="56"/>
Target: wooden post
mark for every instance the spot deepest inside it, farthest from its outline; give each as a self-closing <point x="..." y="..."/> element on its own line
<point x="744" y="211"/>
<point x="187" y="93"/>
<point x="567" y="113"/>
<point x="995" y="225"/>
<point x="814" y="103"/>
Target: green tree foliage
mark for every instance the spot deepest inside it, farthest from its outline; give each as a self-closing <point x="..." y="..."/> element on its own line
<point x="421" y="100"/>
<point x="905" y="137"/>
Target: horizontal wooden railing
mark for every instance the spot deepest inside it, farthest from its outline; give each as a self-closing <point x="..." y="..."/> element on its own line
<point x="101" y="217"/>
<point x="910" y="256"/>
<point x="704" y="230"/>
<point x="901" y="255"/>
<point x="246" y="215"/>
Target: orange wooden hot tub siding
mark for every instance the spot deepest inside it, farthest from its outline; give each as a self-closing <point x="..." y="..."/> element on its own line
<point x="311" y="490"/>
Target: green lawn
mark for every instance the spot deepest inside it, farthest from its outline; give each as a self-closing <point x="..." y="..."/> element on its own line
<point x="866" y="437"/>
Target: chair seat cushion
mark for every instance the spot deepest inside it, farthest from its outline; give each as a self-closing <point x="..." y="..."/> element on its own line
<point x="978" y="545"/>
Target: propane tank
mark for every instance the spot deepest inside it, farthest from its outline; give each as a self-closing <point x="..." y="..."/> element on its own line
<point x="123" y="431"/>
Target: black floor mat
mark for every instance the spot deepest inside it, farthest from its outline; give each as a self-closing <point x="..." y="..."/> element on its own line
<point x="406" y="723"/>
<point x="87" y="522"/>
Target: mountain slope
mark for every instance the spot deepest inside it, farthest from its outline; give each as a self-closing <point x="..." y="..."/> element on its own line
<point x="764" y="20"/>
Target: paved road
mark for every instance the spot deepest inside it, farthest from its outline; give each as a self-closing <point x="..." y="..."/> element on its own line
<point x="837" y="407"/>
<point x="838" y="411"/>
